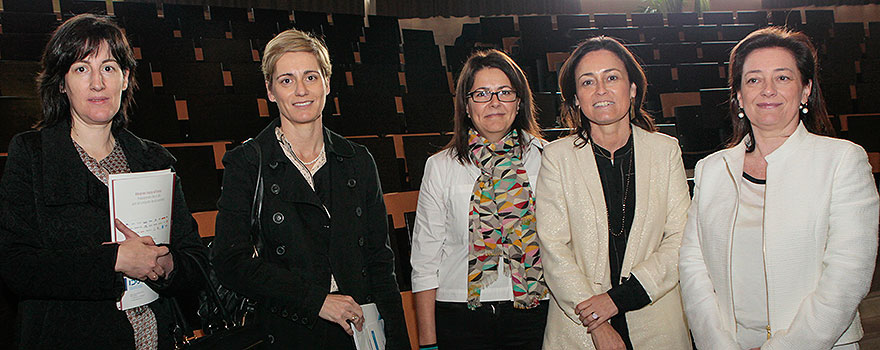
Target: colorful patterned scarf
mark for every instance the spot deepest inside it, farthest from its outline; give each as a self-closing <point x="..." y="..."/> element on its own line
<point x="502" y="223"/>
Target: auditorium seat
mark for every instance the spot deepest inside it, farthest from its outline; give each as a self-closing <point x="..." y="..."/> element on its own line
<point x="696" y="76"/>
<point x="19" y="78"/>
<point x="863" y="130"/>
<point x="428" y="112"/>
<point x="401" y="207"/>
<point x="382" y="29"/>
<point x="566" y="22"/>
<point x="185" y="79"/>
<point x="838" y="98"/>
<point x="842" y="50"/>
<point x="660" y="34"/>
<point x="181" y="11"/>
<point x="282" y="17"/>
<point x="389" y="166"/>
<point x="825" y="17"/>
<point x="576" y="35"/>
<point x="247" y="78"/>
<point x="718" y="17"/>
<point x="19" y="114"/>
<point x="646" y="19"/>
<point x="695" y="135"/>
<point x="700" y="33"/>
<point x="234" y="14"/>
<point x="383" y="77"/>
<point x="547" y="106"/>
<point x="717" y="51"/>
<point x="227" y="50"/>
<point x="678" y="53"/>
<point x="223" y="117"/>
<point x="494" y="29"/>
<point x="21" y="46"/>
<point x="166" y="49"/>
<point x="346" y="27"/>
<point x="254" y="30"/>
<point x="644" y="52"/>
<point x="534" y="31"/>
<point x="154" y="117"/>
<point x="417" y="148"/>
<point x="838" y="71"/>
<point x="758" y="18"/>
<point x="626" y="35"/>
<point x="25" y="22"/>
<point x="849" y="31"/>
<point x="868" y="98"/>
<point x="604" y="20"/>
<point x="736" y="32"/>
<point x="369" y="112"/>
<point x="74" y="7"/>
<point x="426" y="79"/>
<point x="786" y="18"/>
<point x="312" y="22"/>
<point x="378" y="53"/>
<point x="199" y="167"/>
<point x="872" y="47"/>
<point x="33" y="6"/>
<point x="677" y="19"/>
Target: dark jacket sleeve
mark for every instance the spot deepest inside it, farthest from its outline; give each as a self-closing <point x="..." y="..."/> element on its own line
<point x="380" y="261"/>
<point x="232" y="247"/>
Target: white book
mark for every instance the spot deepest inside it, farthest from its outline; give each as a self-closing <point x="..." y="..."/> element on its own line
<point x="142" y="201"/>
<point x="372" y="335"/>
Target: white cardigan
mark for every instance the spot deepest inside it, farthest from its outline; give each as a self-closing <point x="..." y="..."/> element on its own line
<point x="441" y="238"/>
<point x="820" y="229"/>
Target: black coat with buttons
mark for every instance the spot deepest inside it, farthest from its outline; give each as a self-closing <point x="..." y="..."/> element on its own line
<point x="302" y="245"/>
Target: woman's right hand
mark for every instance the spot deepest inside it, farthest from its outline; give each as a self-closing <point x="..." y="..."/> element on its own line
<point x="605" y="337"/>
<point x="340" y="309"/>
<point x="137" y="256"/>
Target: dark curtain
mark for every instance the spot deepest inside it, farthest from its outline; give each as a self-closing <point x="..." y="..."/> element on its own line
<point x="774" y="4"/>
<point x="459" y="8"/>
<point x="355" y="7"/>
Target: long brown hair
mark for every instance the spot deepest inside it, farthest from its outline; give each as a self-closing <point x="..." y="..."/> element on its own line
<point x="75" y="39"/>
<point x="572" y="115"/>
<point x="524" y="122"/>
<point x="816" y="119"/>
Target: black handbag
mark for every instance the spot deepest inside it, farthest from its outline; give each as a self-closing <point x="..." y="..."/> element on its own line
<point x="227" y="318"/>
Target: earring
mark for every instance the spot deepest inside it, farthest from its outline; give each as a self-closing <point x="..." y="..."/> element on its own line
<point x="804" y="108"/>
<point x="741" y="114"/>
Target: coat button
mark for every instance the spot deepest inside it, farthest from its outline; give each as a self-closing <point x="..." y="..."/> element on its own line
<point x="364" y="271"/>
<point x="270" y="338"/>
<point x="284" y="313"/>
<point x="305" y="320"/>
<point x="327" y="226"/>
<point x="278" y="217"/>
<point x="273" y="309"/>
<point x="273" y="165"/>
<point x="361" y="241"/>
<point x="351" y="183"/>
<point x="358" y="211"/>
<point x="275" y="189"/>
<point x="280" y="250"/>
<point x="294" y="317"/>
<point x="369" y="298"/>
<point x="338" y="159"/>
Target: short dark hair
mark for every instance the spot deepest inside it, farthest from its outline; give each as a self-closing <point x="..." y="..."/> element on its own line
<point x="524" y="122"/>
<point x="572" y="115"/>
<point x="76" y="39"/>
<point x="816" y="119"/>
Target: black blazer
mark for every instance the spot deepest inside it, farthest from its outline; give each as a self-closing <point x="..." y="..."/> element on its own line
<point x="302" y="245"/>
<point x="54" y="215"/>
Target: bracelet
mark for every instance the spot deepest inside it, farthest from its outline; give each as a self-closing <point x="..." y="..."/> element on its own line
<point x="428" y="347"/>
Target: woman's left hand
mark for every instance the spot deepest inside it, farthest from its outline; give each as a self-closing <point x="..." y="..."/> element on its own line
<point x="596" y="310"/>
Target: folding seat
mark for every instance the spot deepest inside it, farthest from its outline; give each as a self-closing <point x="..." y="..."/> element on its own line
<point x="842" y="49"/>
<point x="313" y="22"/>
<point x="576" y="35"/>
<point x="198" y="28"/>
<point x="391" y="169"/>
<point x="646" y="19"/>
<point x="23" y="22"/>
<point x="696" y="140"/>
<point x="19" y="114"/>
<point x="715" y="107"/>
<point x="455" y="58"/>
<point x="868" y="98"/>
<point x="200" y="171"/>
<point x="825" y="17"/>
<point x="428" y="112"/>
<point x="849" y="31"/>
<point x="185" y="79"/>
<point x="696" y="76"/>
<point x="675" y="53"/>
<point x="874" y="30"/>
<point x="863" y="130"/>
<point x="227" y="50"/>
<point x="233" y="14"/>
<point x="167" y="49"/>
<point x="247" y="78"/>
<point x="382" y="29"/>
<point x="75" y="7"/>
<point x="135" y="9"/>
<point x="214" y="117"/>
<point x="534" y="31"/>
<point x="380" y="53"/>
<point x="718" y="17"/>
<point x="870" y="70"/>
<point x="566" y="22"/>
<point x="610" y="20"/>
<point x="677" y="19"/>
<point x="33" y="6"/>
<point x="154" y="117"/>
<point x="383" y="77"/>
<point x="660" y="34"/>
<point x="418" y="38"/>
<point x="369" y="112"/>
<point x="180" y="11"/>
<point x="19" y="78"/>
<point x="660" y="81"/>
<point x="736" y="32"/>
<point x="700" y="33"/>
<point x="643" y="52"/>
<point x="758" y="18"/>
<point x="22" y="46"/>
<point x="717" y="51"/>
<point x="838" y="71"/>
<point x="401" y="208"/>
<point x="417" y="149"/>
<point x="272" y="15"/>
<point x="254" y="30"/>
<point x="347" y="27"/>
<point x="819" y="33"/>
<point x="626" y="35"/>
<point x="494" y="29"/>
<point x="421" y="78"/>
<point x="786" y="18"/>
<point x="838" y="98"/>
<point x="547" y="105"/>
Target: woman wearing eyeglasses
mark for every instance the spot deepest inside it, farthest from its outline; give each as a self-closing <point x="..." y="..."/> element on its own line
<point x="477" y="273"/>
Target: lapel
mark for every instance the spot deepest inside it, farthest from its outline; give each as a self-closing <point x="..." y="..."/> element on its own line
<point x="66" y="179"/>
<point x="589" y="172"/>
<point x="644" y="159"/>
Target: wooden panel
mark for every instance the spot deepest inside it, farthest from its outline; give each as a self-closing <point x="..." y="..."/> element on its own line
<point x="206" y="219"/>
<point x="398" y="203"/>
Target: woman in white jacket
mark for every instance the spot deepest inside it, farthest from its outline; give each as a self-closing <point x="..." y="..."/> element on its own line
<point x="477" y="274"/>
<point x="781" y="238"/>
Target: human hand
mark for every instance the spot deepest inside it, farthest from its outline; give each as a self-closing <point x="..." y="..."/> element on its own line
<point x="138" y="256"/>
<point x="596" y="311"/>
<point x="606" y="338"/>
<point x="343" y="310"/>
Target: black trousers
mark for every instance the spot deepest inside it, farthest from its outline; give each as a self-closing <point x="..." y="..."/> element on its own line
<point x="494" y="325"/>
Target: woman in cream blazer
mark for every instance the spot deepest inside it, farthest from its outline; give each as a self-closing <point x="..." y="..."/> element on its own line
<point x="781" y="238"/>
<point x="573" y="220"/>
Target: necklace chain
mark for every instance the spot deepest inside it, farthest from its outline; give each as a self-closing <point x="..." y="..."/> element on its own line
<point x="628" y="175"/>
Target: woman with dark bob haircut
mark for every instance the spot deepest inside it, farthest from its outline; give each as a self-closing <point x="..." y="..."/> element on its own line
<point x="781" y="238"/>
<point x="611" y="209"/>
<point x="55" y="214"/>
<point x="477" y="273"/>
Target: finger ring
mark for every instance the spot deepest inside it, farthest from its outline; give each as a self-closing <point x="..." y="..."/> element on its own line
<point x="595" y="317"/>
<point x="355" y="318"/>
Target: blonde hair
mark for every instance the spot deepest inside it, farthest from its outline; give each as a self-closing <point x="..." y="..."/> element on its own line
<point x="293" y="40"/>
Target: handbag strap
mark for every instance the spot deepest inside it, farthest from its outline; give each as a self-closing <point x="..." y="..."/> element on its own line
<point x="257" y="204"/>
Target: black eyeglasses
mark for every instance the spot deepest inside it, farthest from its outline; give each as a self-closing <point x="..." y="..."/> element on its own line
<point x="483" y="96"/>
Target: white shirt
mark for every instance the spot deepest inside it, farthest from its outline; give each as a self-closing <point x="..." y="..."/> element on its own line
<point x="747" y="267"/>
<point x="441" y="234"/>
